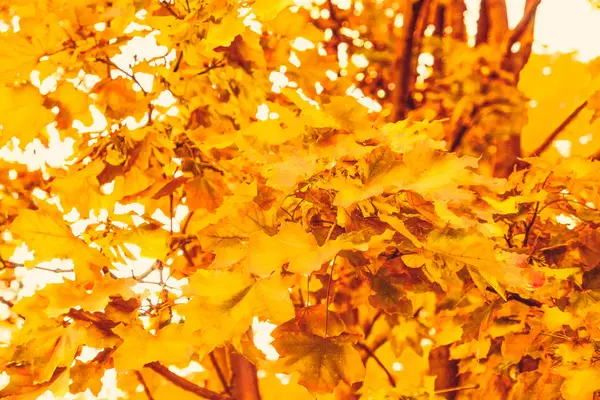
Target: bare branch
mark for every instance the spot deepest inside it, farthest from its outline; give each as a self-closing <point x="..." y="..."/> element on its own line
<point x="457" y="389"/>
<point x="371" y="354"/>
<point x="521" y="27"/>
<point x="110" y="63"/>
<point x="143" y="382"/>
<point x="560" y="128"/>
<point x="185" y="384"/>
<point x="456" y="19"/>
<point x="219" y="372"/>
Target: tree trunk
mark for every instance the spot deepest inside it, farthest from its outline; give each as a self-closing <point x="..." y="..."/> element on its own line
<point x="492" y="25"/>
<point x="455" y="20"/>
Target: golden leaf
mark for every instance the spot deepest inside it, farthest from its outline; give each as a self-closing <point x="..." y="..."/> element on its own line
<point x="49" y="237"/>
<point x="22" y="114"/>
<point x="322" y="362"/>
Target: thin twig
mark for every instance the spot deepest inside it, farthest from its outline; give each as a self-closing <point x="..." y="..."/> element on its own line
<point x="178" y="62"/>
<point x="57" y="270"/>
<point x="220" y="374"/>
<point x="155" y="265"/>
<point x="210" y="67"/>
<point x="171" y="214"/>
<point x="143" y="382"/>
<point x="10" y="264"/>
<point x="327" y="295"/>
<point x="371" y="354"/>
<point x="110" y="63"/>
<point x="517" y="297"/>
<point x="569" y="201"/>
<point x="377" y="344"/>
<point x="530" y="224"/>
<point x="372" y="324"/>
<point x="457" y="388"/>
<point x="308" y="290"/>
<point x="560" y="128"/>
<point x="187" y="222"/>
<point x="7" y="302"/>
<point x="185" y="384"/>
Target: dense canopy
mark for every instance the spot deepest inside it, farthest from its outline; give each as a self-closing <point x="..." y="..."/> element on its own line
<point x="276" y="199"/>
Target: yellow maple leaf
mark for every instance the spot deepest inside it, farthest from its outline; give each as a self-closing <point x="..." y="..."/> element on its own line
<point x="172" y="345"/>
<point x="224" y="304"/>
<point x="266" y="10"/>
<point x="206" y="191"/>
<point x="22" y="387"/>
<point x="86" y="376"/>
<point x="80" y="189"/>
<point x="50" y="237"/>
<point x="580" y="384"/>
<point x="74" y="105"/>
<point x="154" y="242"/>
<point x="117" y="98"/>
<point x="293" y="245"/>
<point x="22" y="114"/>
<point x="18" y="56"/>
<point x="57" y="299"/>
<point x="322" y="362"/>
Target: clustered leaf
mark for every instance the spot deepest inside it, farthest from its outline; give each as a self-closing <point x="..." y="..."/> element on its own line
<point x="236" y="181"/>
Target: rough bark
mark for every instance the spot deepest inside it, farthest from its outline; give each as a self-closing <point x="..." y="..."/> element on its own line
<point x="483" y="24"/>
<point x="455" y="19"/>
<point x="492" y="25"/>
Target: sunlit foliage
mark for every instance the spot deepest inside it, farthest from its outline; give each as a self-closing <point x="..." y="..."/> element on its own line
<point x="294" y="200"/>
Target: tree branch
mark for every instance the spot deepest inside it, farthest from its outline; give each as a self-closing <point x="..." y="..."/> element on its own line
<point x="371" y="354"/>
<point x="483" y="24"/>
<point x="560" y="128"/>
<point x="530" y="224"/>
<point x="521" y="27"/>
<point x="143" y="382"/>
<point x="463" y="127"/>
<point x="131" y="75"/>
<point x="219" y="372"/>
<point x="245" y="382"/>
<point x="515" y="61"/>
<point x="456" y="19"/>
<point x="184" y="383"/>
<point x="457" y="389"/>
<point x="405" y="52"/>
